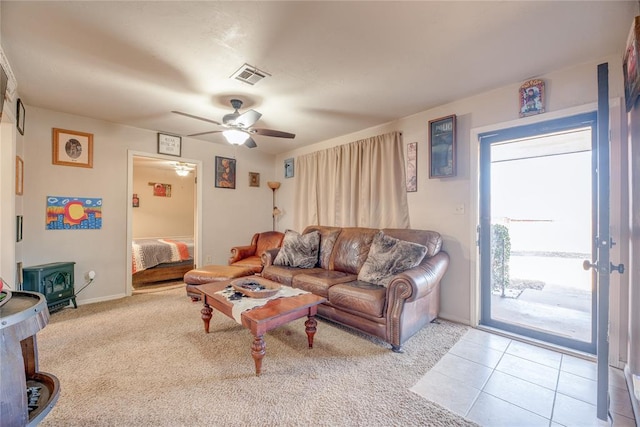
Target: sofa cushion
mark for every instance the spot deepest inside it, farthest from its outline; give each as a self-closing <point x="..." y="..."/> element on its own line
<point x="360" y="297"/>
<point x="328" y="238"/>
<point x="285" y="275"/>
<point x="389" y="256"/>
<point x="299" y="250"/>
<point x="254" y="262"/>
<point x="319" y="282"/>
<point x="351" y="249"/>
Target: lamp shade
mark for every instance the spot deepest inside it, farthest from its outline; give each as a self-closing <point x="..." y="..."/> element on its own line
<point x="274" y="185"/>
<point x="235" y="136"/>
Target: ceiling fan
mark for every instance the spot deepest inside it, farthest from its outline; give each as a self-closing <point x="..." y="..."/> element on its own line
<point x="238" y="126"/>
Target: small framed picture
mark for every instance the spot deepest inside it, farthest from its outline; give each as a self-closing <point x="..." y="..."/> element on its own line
<point x="442" y="147"/>
<point x="531" y="97"/>
<point x="169" y="144"/>
<point x="19" y="176"/>
<point x="254" y="179"/>
<point x="72" y="148"/>
<point x="20" y="117"/>
<point x="18" y="228"/>
<point x="161" y="190"/>
<point x="288" y="168"/>
<point x="631" y="65"/>
<point x="225" y="172"/>
<point x="412" y="167"/>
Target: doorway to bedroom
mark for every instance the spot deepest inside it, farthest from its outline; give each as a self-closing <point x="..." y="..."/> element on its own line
<point x="163" y="222"/>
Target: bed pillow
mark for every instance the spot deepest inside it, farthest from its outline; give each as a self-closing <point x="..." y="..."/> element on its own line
<point x="389" y="256"/>
<point x="299" y="250"/>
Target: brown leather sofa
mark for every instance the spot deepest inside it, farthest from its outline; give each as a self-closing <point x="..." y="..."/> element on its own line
<point x="393" y="313"/>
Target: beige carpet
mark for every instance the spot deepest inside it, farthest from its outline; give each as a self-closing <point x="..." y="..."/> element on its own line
<point x="146" y="361"/>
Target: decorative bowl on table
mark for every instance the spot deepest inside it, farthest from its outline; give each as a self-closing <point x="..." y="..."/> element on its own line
<point x="255" y="286"/>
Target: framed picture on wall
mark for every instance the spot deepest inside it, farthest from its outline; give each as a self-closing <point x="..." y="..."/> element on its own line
<point x="531" y="96"/>
<point x="254" y="179"/>
<point x="19" y="176"/>
<point x="631" y="65"/>
<point x="169" y="144"/>
<point x="442" y="147"/>
<point x="72" y="148"/>
<point x="225" y="172"/>
<point x="288" y="168"/>
<point x="412" y="167"/>
<point x="18" y="228"/>
<point x="20" y="117"/>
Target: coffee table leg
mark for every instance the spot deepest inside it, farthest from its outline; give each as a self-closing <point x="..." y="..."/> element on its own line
<point x="310" y="329"/>
<point x="258" y="351"/>
<point x="206" y="316"/>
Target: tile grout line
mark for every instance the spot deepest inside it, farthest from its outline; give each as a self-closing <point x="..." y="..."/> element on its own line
<point x="493" y="370"/>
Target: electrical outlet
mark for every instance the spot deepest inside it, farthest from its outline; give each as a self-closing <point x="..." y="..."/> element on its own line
<point x="209" y="259"/>
<point x="459" y="209"/>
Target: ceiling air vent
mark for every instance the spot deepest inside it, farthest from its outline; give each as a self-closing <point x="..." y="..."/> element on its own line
<point x="249" y="74"/>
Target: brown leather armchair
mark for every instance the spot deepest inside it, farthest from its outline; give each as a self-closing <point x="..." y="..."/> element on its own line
<point x="251" y="255"/>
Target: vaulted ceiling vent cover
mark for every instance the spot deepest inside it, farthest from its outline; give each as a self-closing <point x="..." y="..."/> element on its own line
<point x="249" y="74"/>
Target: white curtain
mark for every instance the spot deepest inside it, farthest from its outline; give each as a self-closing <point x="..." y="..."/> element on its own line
<point x="361" y="184"/>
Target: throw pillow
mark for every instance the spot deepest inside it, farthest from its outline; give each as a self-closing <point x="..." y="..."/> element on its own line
<point x="389" y="256"/>
<point x="298" y="250"/>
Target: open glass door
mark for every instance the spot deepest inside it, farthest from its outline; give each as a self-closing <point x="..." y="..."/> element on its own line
<point x="536" y="211"/>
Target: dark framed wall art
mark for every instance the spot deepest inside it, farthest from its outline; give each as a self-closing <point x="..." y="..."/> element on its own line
<point x="631" y="65"/>
<point x="20" y="117"/>
<point x="442" y="147"/>
<point x="225" y="172"/>
<point x="254" y="179"/>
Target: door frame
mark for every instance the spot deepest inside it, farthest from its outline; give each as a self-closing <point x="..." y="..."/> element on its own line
<point x="197" y="232"/>
<point x="528" y="132"/>
<point x="618" y="297"/>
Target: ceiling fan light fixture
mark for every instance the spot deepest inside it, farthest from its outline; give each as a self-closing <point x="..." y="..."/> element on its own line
<point x="183" y="169"/>
<point x="235" y="136"/>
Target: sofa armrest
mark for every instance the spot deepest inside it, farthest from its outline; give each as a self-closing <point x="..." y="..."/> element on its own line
<point x="269" y="255"/>
<point x="419" y="281"/>
<point x="241" y="252"/>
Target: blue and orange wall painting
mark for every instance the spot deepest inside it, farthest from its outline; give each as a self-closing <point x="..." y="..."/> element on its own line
<point x="74" y="213"/>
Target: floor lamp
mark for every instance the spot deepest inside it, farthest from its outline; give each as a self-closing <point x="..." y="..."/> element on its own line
<point x="274" y="185"/>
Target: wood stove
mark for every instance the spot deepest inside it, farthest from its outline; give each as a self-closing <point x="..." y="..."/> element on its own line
<point x="54" y="280"/>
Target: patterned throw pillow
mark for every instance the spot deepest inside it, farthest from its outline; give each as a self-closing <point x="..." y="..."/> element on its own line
<point x="389" y="256"/>
<point x="299" y="250"/>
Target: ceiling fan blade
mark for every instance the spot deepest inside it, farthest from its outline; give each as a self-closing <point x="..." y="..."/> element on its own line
<point x="250" y="143"/>
<point x="196" y="117"/>
<point x="248" y="118"/>
<point x="205" y="133"/>
<point x="271" y="132"/>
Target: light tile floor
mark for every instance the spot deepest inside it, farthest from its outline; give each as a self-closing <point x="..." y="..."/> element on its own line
<point x="496" y="381"/>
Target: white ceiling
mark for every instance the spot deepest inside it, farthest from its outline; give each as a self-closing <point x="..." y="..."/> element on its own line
<point x="336" y="67"/>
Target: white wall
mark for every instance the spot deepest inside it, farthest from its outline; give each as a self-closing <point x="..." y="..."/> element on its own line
<point x="163" y="216"/>
<point x="432" y="206"/>
<point x="230" y="217"/>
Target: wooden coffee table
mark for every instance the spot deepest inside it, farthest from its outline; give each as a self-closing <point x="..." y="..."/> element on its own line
<point x="260" y="320"/>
